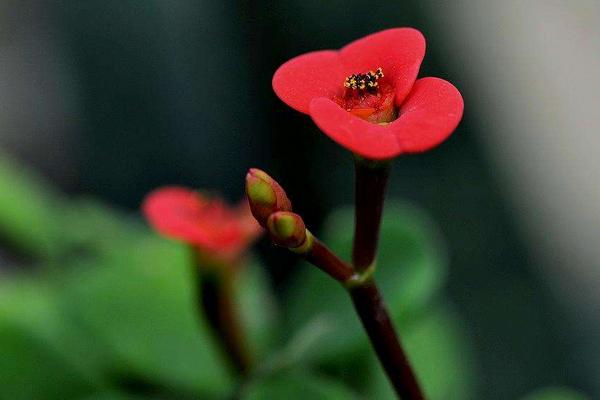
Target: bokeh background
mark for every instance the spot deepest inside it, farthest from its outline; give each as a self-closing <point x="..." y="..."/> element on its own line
<point x="113" y="98"/>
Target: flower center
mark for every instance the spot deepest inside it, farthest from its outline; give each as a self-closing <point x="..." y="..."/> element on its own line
<point x="366" y="81"/>
<point x="369" y="97"/>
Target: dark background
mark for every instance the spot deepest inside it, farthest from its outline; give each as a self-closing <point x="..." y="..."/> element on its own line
<point x="178" y="92"/>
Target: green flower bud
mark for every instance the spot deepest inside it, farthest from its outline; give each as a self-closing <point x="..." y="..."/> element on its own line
<point x="265" y="195"/>
<point x="287" y="229"/>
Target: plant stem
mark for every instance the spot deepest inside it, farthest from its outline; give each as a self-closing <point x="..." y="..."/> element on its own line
<point x="370" y="183"/>
<point x="374" y="316"/>
<point x="216" y="303"/>
<point x="371" y="179"/>
<point x="376" y="321"/>
<point x="323" y="258"/>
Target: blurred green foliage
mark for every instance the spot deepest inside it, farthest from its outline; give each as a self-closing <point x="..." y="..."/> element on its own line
<point x="556" y="393"/>
<point x="107" y="312"/>
<point x="297" y="386"/>
<point x="29" y="210"/>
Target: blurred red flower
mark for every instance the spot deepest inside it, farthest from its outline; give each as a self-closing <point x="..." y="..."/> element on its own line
<point x="375" y="113"/>
<point x="216" y="230"/>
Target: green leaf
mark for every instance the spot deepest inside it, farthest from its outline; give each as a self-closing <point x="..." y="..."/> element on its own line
<point x="296" y="386"/>
<point x="138" y="302"/>
<point x="297" y="349"/>
<point x="111" y="227"/>
<point x="410" y="271"/>
<point x="29" y="211"/>
<point x="439" y="352"/>
<point x="117" y="396"/>
<point x="257" y="309"/>
<point x="36" y="221"/>
<point x="39" y="348"/>
<point x="556" y="393"/>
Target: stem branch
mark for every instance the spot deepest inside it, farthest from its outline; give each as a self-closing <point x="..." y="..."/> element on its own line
<point x="374" y="316"/>
<point x="323" y="258"/>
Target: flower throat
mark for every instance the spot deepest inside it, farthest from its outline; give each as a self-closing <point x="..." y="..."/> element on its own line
<point x="367" y="98"/>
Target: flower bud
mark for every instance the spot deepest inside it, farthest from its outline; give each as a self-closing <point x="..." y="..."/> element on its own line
<point x="265" y="196"/>
<point x="287" y="229"/>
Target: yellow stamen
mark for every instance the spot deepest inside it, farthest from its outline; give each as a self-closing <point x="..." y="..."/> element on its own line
<point x="364" y="81"/>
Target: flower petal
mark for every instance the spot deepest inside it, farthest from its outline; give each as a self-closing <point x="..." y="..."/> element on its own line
<point x="398" y="51"/>
<point x="429" y="114"/>
<point x="315" y="74"/>
<point x="181" y="213"/>
<point x="252" y="230"/>
<point x="357" y="135"/>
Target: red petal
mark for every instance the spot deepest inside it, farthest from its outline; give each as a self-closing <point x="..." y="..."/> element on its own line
<point x="430" y="113"/>
<point x="180" y="213"/>
<point x="428" y="116"/>
<point x="399" y="52"/>
<point x="247" y="221"/>
<point x="321" y="73"/>
<point x="316" y="74"/>
<point x="354" y="133"/>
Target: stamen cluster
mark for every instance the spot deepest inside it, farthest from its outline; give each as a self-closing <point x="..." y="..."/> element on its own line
<point x="366" y="81"/>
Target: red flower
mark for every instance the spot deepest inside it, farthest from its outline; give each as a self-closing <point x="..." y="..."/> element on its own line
<point x="214" y="229"/>
<point x="377" y="114"/>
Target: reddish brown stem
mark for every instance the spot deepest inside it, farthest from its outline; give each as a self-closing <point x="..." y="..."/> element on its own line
<point x="375" y="319"/>
<point x="323" y="258"/>
<point x="216" y="303"/>
<point x="370" y="183"/>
